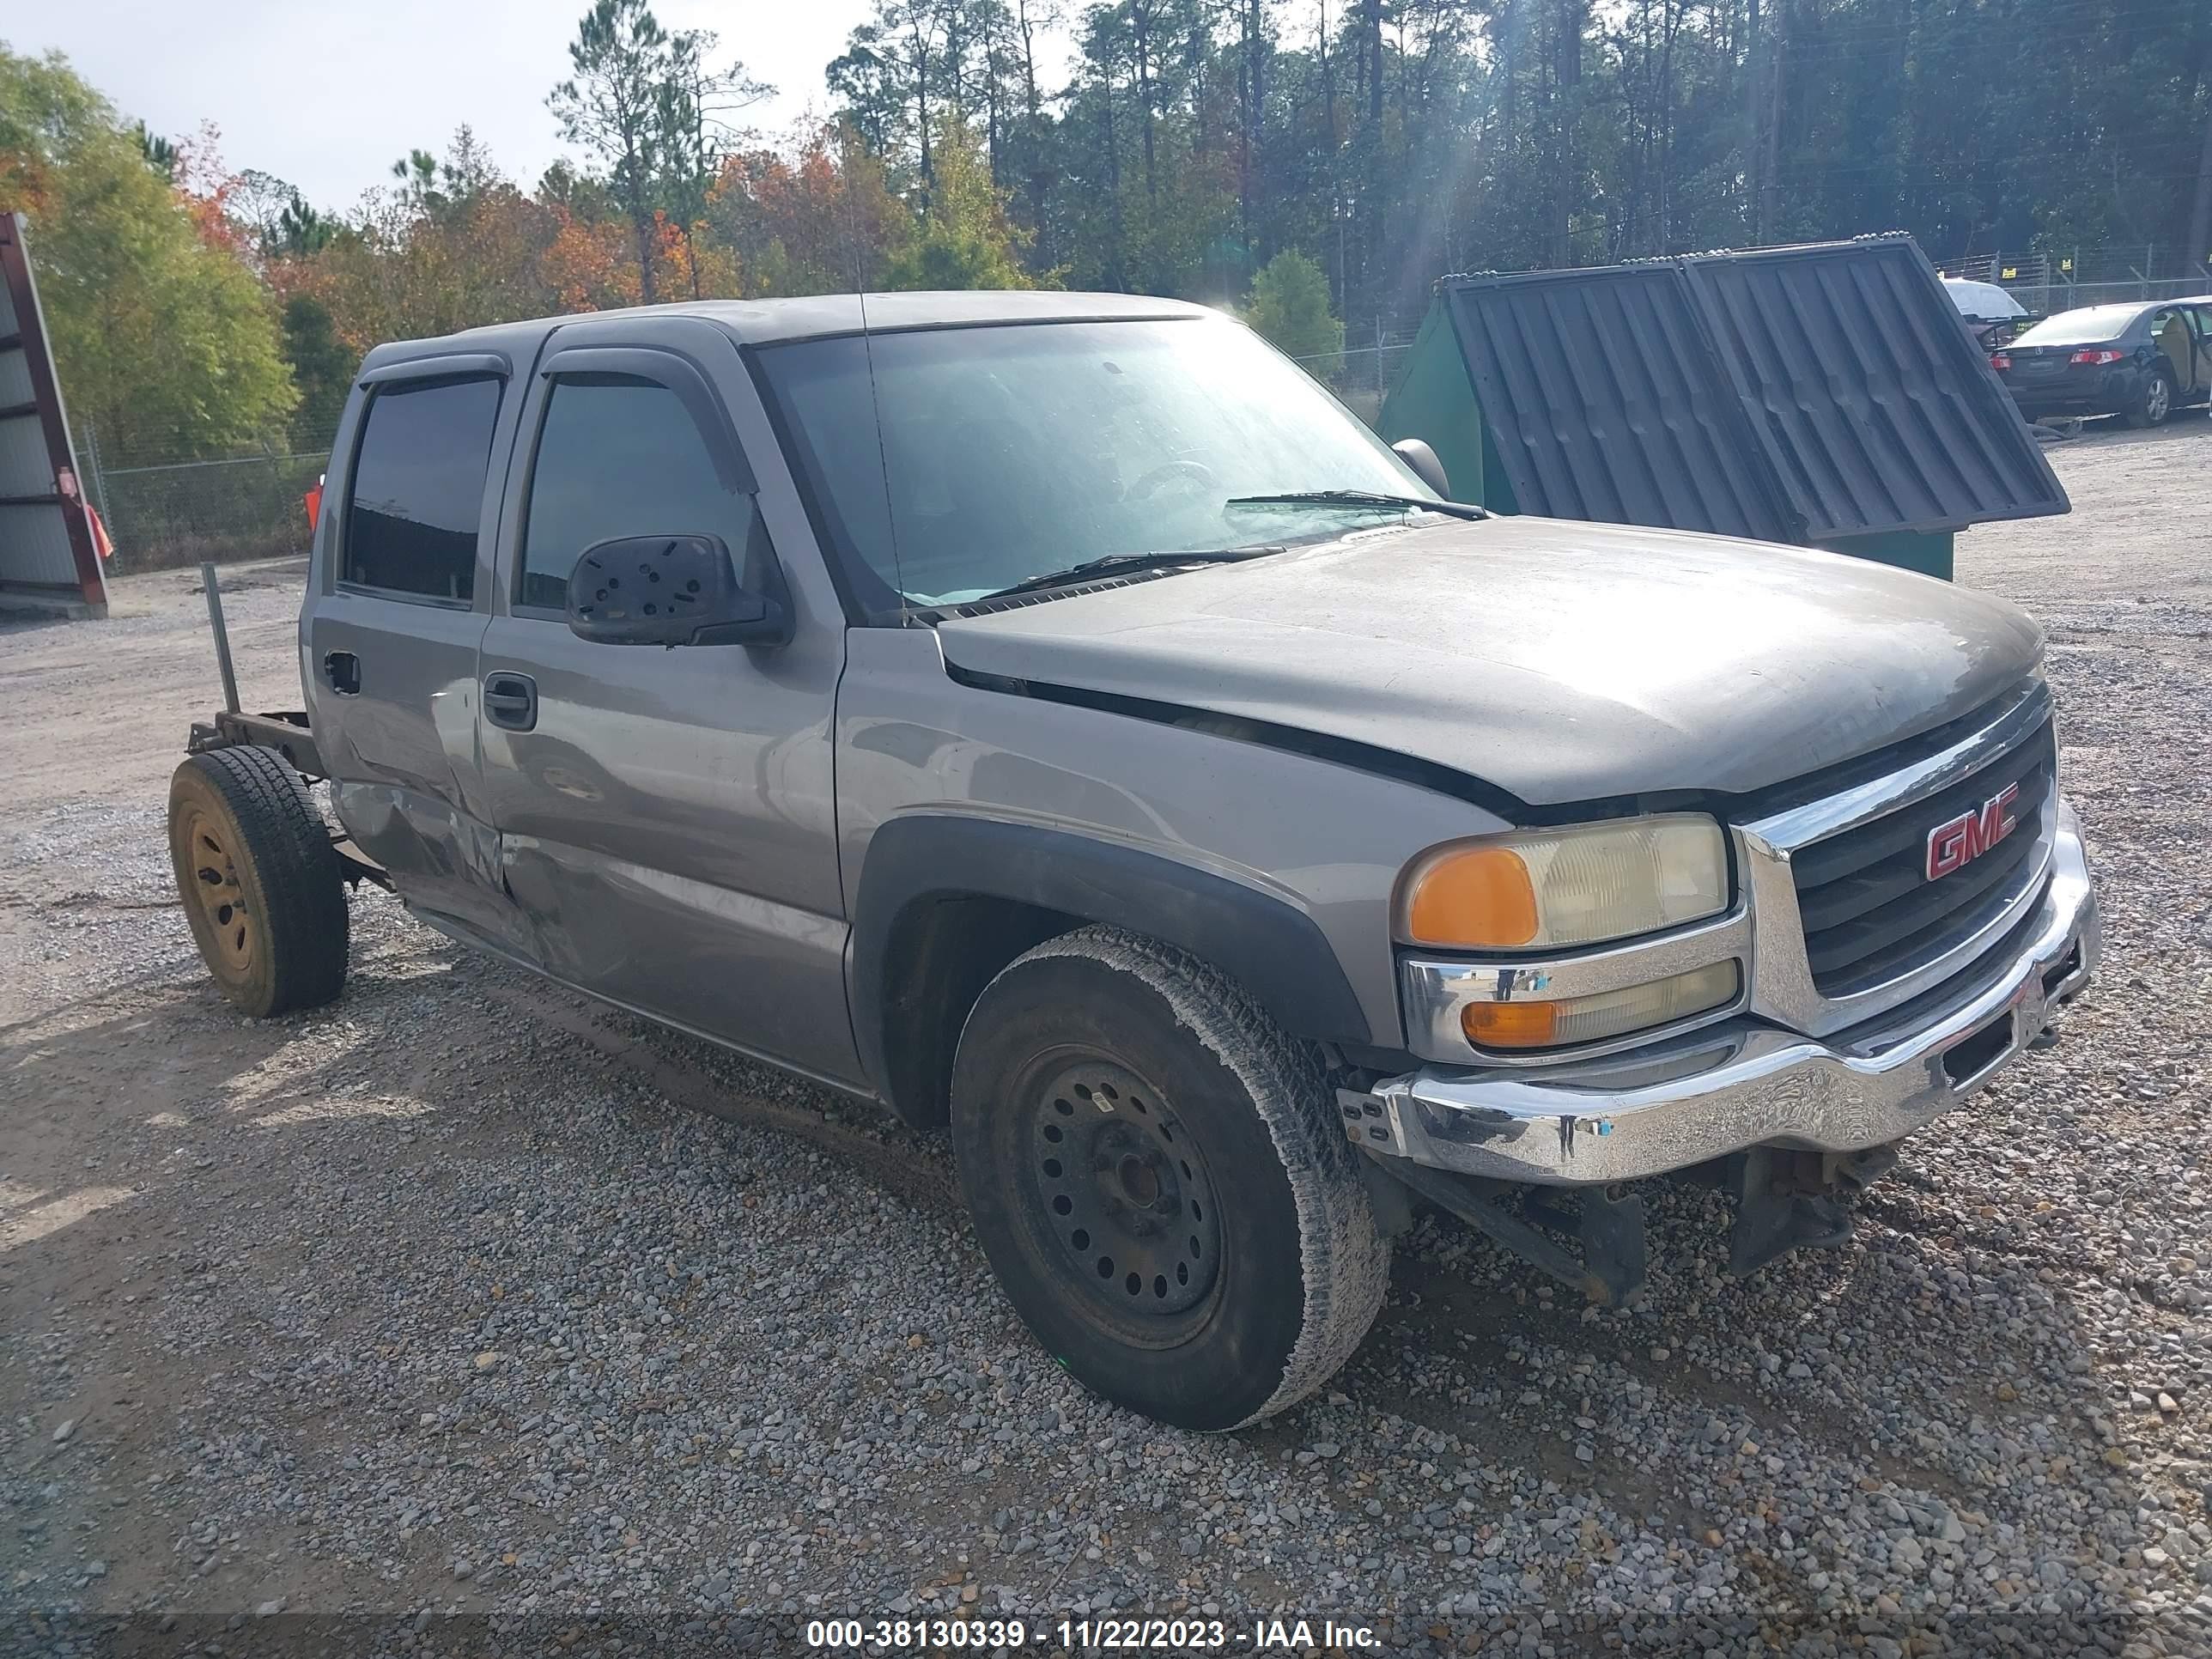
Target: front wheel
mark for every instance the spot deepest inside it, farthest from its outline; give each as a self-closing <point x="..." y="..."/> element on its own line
<point x="1160" y="1183"/>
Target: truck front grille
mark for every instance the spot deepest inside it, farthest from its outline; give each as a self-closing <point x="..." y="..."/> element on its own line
<point x="1871" y="915"/>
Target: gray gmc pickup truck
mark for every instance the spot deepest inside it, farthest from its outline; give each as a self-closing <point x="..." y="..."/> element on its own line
<point x="1054" y="716"/>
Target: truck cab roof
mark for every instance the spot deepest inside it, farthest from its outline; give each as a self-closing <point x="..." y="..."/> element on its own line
<point x="774" y="322"/>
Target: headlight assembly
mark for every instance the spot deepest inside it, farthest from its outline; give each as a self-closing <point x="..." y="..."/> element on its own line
<point x="1536" y="889"/>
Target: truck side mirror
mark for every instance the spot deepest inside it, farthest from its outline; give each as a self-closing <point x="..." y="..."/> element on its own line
<point x="1426" y="467"/>
<point x="669" y="591"/>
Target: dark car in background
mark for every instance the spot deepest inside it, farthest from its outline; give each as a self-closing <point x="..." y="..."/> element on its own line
<point x="2141" y="361"/>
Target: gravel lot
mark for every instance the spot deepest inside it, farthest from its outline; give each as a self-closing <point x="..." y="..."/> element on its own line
<point x="489" y="1320"/>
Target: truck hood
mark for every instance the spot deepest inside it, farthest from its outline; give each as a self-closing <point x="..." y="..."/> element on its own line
<point x="1557" y="661"/>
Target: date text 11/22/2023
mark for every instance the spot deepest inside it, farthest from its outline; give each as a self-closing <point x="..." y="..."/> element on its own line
<point x="1088" y="1635"/>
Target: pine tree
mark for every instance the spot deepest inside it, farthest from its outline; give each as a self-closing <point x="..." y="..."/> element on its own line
<point x="1289" y="307"/>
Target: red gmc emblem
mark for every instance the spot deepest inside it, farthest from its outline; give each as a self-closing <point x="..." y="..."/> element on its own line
<point x="1962" y="840"/>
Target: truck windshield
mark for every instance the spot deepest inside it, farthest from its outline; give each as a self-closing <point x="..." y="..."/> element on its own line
<point x="963" y="461"/>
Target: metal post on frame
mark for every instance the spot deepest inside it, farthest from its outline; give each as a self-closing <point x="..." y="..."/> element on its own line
<point x="211" y="585"/>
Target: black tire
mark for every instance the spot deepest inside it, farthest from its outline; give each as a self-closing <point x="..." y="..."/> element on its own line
<point x="2152" y="402"/>
<point x="259" y="880"/>
<point x="1237" y="1262"/>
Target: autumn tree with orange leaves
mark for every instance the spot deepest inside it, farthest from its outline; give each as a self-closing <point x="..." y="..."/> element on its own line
<point x="165" y="339"/>
<point x="819" y="219"/>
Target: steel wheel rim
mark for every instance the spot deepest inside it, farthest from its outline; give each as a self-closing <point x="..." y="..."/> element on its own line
<point x="1121" y="1193"/>
<point x="215" y="887"/>
<point x="2156" y="399"/>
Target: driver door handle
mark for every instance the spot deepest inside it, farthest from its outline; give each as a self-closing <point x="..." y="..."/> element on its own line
<point x="511" y="701"/>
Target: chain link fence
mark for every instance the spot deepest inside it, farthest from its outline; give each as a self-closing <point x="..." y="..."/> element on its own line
<point x="165" y="507"/>
<point x="1362" y="375"/>
<point x="2045" y="282"/>
<point x="2043" y="300"/>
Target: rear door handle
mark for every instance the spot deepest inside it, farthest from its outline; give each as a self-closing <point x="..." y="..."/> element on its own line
<point x="343" y="669"/>
<point x="511" y="701"/>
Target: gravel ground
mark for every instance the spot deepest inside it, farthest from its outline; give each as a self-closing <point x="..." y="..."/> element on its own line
<point x="463" y="1314"/>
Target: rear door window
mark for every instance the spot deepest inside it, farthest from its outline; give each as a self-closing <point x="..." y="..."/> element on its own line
<point x="418" y="485"/>
<point x="2091" y="325"/>
<point x="618" y="455"/>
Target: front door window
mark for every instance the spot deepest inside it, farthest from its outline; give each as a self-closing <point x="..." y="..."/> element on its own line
<point x="620" y="456"/>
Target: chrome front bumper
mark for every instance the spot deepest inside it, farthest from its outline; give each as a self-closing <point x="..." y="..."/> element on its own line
<point x="1729" y="1087"/>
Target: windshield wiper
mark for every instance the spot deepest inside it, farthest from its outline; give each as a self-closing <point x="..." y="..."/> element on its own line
<point x="1114" y="564"/>
<point x="1359" y="498"/>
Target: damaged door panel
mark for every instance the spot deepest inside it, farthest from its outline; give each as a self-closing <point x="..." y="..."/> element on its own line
<point x="389" y="646"/>
<point x="666" y="815"/>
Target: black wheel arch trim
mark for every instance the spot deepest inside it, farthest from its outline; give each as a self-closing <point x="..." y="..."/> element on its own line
<point x="1275" y="951"/>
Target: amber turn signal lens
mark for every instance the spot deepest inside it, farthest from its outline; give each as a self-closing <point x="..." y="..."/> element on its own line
<point x="1509" y="1025"/>
<point x="1476" y="898"/>
<point x="1601" y="1014"/>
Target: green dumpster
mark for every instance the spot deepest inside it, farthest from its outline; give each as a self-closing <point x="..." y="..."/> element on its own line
<point x="1825" y="395"/>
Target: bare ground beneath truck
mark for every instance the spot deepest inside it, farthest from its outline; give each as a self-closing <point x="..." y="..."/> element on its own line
<point x="464" y="1295"/>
